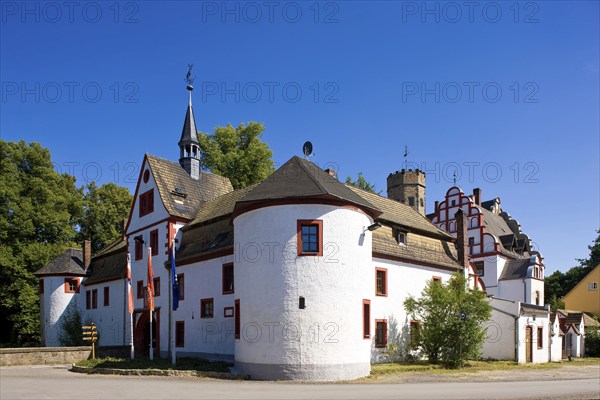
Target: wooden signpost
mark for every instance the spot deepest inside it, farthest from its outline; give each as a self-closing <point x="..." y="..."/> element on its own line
<point x="89" y="334"/>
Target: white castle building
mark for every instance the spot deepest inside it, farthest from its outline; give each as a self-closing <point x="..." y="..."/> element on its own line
<point x="297" y="277"/>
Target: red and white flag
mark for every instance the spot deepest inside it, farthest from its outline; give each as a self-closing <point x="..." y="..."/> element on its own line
<point x="150" y="286"/>
<point x="129" y="285"/>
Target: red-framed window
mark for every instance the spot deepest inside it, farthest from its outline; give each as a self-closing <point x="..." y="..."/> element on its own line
<point x="207" y="308"/>
<point x="366" y="314"/>
<point x="237" y="318"/>
<point x="154" y="242"/>
<point x="540" y="337"/>
<point x="71" y="285"/>
<point x="94" y="298"/>
<point x="179" y="333"/>
<point x="140" y="289"/>
<point x="310" y="237"/>
<point x="41" y="286"/>
<point x="181" y="283"/>
<point x="381" y="282"/>
<point x="437" y="279"/>
<point x="228" y="286"/>
<point x="146" y="204"/>
<point x="156" y="281"/>
<point x="380" y="333"/>
<point x="106" y="296"/>
<point x="88" y="299"/>
<point x="228" y="312"/>
<point x="139" y="249"/>
<point x="415" y="330"/>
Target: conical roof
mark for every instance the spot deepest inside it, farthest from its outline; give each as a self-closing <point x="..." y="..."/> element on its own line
<point x="299" y="178"/>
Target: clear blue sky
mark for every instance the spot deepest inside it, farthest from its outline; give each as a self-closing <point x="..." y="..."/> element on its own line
<point x="507" y="92"/>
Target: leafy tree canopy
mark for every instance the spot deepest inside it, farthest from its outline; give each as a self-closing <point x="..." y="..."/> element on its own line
<point x="237" y="153"/>
<point x="104" y="210"/>
<point x="452" y="319"/>
<point x="560" y="283"/>
<point x="362" y="183"/>
<point x="42" y="213"/>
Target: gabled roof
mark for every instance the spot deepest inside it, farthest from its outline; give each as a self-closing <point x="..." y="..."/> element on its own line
<point x="181" y="195"/>
<point x="300" y="179"/>
<point x="581" y="281"/>
<point x="109" y="264"/>
<point x="70" y="262"/>
<point x="401" y="214"/>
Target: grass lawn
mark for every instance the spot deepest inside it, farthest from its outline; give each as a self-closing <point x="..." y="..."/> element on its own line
<point x="188" y="364"/>
<point x="472" y="366"/>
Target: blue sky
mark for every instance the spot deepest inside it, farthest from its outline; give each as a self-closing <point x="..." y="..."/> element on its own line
<point x="504" y="93"/>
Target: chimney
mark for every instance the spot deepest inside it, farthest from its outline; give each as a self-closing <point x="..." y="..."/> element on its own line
<point x="123" y="226"/>
<point x="477" y="196"/>
<point x="331" y="172"/>
<point x="87" y="253"/>
<point x="462" y="241"/>
<point x="436" y="205"/>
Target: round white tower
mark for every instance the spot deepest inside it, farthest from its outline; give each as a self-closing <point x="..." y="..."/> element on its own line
<point x="302" y="256"/>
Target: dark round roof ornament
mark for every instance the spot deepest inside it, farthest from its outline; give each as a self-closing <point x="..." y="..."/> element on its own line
<point x="190" y="87"/>
<point x="307" y="149"/>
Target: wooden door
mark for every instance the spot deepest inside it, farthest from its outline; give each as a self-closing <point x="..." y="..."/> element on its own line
<point x="528" y="344"/>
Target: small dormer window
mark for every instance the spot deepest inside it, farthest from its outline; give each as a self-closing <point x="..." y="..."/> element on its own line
<point x="411" y="201"/>
<point x="453" y="202"/>
<point x="401" y="237"/>
<point x="593" y="286"/>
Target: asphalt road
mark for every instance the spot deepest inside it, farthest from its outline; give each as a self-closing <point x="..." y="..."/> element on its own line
<point x="58" y="383"/>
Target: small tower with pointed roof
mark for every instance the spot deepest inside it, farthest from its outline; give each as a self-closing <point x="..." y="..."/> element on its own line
<point x="189" y="147"/>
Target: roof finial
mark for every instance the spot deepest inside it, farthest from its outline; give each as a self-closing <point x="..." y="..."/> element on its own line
<point x="406" y="157"/>
<point x="190" y="80"/>
<point x="454" y="176"/>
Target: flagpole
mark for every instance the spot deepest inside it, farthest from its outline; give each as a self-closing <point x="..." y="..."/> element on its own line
<point x="150" y="291"/>
<point x="174" y="297"/>
<point x="130" y="306"/>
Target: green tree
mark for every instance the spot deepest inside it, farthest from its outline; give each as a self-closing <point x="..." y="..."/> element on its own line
<point x="362" y="183"/>
<point x="452" y="319"/>
<point x="560" y="283"/>
<point x="104" y="209"/>
<point x="38" y="212"/>
<point x="237" y="153"/>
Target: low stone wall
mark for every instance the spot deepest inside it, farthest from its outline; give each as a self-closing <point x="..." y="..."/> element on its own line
<point x="44" y="355"/>
<point x="160" y="372"/>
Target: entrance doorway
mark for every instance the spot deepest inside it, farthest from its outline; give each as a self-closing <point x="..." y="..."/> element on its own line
<point x="528" y="344"/>
<point x="142" y="334"/>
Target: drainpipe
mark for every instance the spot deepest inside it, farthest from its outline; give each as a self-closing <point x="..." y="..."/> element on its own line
<point x="524" y="291"/>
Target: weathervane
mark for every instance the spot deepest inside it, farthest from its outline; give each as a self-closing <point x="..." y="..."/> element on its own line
<point x="188" y="77"/>
<point x="406" y="156"/>
<point x="454" y="176"/>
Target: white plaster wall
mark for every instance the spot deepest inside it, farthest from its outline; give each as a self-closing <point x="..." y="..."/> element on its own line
<point x="512" y="289"/>
<point x="500" y="339"/>
<point x="556" y="343"/>
<point x="535" y="285"/>
<point x="205" y="336"/>
<point x="110" y="320"/>
<point x="403" y="280"/>
<point x="490" y="275"/>
<point x="159" y="212"/>
<point x="323" y="341"/>
<point x="54" y="302"/>
<point x="538" y="355"/>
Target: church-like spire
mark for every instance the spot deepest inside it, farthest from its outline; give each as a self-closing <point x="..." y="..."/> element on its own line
<point x="189" y="147"/>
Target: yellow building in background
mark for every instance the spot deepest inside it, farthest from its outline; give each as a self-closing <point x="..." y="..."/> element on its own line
<point x="585" y="296"/>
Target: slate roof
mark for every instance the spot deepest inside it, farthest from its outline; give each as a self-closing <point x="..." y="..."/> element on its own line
<point x="70" y="262"/>
<point x="515" y="269"/>
<point x="400" y="214"/>
<point x="299" y="178"/>
<point x="189" y="133"/>
<point x="109" y="264"/>
<point x="181" y="195"/>
<point x="533" y="309"/>
<point x="222" y="206"/>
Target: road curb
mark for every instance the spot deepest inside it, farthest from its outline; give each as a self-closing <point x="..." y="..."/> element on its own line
<point x="159" y="372"/>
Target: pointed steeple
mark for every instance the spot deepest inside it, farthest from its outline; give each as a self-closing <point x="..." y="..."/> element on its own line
<point x="189" y="147"/>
